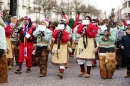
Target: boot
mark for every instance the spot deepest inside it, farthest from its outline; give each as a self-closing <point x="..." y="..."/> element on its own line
<point x="88" y="72"/>
<point x="94" y="63"/>
<point x="9" y="64"/>
<point x="19" y="70"/>
<point x="28" y="70"/>
<point x="60" y="74"/>
<point x="82" y="72"/>
<point x="127" y="74"/>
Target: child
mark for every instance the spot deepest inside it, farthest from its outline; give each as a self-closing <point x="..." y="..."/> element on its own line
<point x="125" y="45"/>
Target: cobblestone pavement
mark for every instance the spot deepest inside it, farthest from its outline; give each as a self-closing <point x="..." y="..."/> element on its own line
<point x="70" y="77"/>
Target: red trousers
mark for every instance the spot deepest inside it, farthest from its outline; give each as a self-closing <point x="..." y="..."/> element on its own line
<point x="29" y="54"/>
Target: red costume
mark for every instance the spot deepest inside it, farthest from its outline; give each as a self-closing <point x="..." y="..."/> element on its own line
<point x="64" y="38"/>
<point x="63" y="51"/>
<point x="29" y="46"/>
<point x="90" y="32"/>
<point x="8" y="31"/>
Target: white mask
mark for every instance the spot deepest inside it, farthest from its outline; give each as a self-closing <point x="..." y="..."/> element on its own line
<point x="103" y="28"/>
<point x="85" y="22"/>
<point x="12" y="25"/>
<point x="41" y="27"/>
<point x="128" y="22"/>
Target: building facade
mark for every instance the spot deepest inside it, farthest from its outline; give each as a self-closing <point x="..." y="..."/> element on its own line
<point x="29" y="8"/>
<point x="125" y="8"/>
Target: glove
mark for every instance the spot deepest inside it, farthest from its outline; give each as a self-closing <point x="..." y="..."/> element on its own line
<point x="108" y="34"/>
<point x="104" y="38"/>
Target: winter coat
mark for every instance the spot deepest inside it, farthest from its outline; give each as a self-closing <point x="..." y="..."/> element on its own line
<point x="125" y="41"/>
<point x="111" y="38"/>
<point x="43" y="40"/>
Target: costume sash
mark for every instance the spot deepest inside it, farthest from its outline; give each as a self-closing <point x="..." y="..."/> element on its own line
<point x="25" y="42"/>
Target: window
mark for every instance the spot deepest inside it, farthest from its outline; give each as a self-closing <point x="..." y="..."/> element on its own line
<point x="129" y="4"/>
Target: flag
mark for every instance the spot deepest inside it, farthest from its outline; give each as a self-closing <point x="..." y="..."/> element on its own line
<point x="65" y="17"/>
<point x="76" y="20"/>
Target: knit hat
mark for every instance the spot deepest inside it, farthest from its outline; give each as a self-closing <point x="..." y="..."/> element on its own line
<point x="26" y="18"/>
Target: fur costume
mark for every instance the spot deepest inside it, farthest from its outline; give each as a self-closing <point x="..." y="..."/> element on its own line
<point x="3" y="69"/>
<point x="107" y="61"/>
<point x="42" y="59"/>
<point x="107" y="64"/>
<point x="43" y="47"/>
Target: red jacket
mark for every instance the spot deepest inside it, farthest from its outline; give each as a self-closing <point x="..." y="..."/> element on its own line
<point x="51" y="29"/>
<point x="91" y="31"/>
<point x="64" y="37"/>
<point x="31" y="29"/>
<point x="8" y="31"/>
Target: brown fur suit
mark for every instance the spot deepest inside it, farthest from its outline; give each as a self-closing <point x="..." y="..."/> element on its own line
<point x="42" y="59"/>
<point x="3" y="69"/>
<point x="15" y="51"/>
<point x="107" y="63"/>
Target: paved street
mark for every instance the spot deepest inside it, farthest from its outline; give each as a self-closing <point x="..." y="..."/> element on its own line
<point x="70" y="77"/>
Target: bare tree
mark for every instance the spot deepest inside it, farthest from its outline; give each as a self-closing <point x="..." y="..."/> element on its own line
<point x="92" y="10"/>
<point x="76" y="5"/>
<point x="46" y="6"/>
<point x="63" y="7"/>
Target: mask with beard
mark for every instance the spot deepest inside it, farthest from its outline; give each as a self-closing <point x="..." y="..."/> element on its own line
<point x="26" y="23"/>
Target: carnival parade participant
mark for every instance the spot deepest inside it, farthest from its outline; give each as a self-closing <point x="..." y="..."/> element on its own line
<point x="3" y="59"/>
<point x="60" y="48"/>
<point x="95" y="22"/>
<point x="15" y="40"/>
<point x="43" y="35"/>
<point x="8" y="33"/>
<point x="85" y="51"/>
<point x="121" y="62"/>
<point x="26" y="45"/>
<point x="106" y="38"/>
<point x="125" y="45"/>
<point x="69" y="31"/>
<point x="75" y="35"/>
